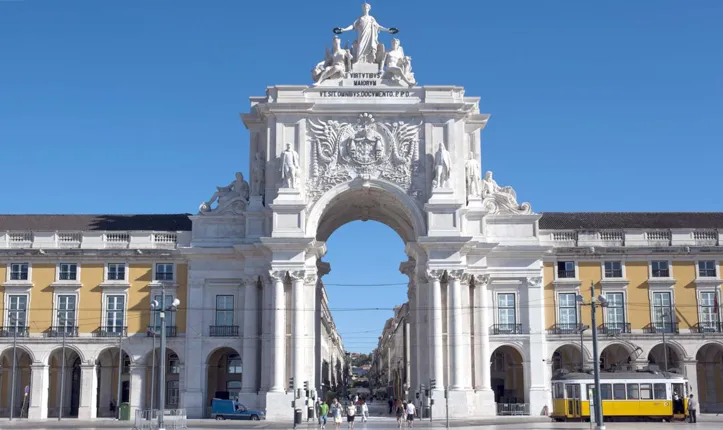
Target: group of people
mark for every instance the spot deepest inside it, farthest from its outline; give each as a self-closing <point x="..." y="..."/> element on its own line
<point x="335" y="410"/>
<point x="405" y="412"/>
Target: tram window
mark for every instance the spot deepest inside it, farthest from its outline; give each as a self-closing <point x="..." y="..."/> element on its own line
<point x="619" y="391"/>
<point x="606" y="392"/>
<point x="558" y="393"/>
<point x="633" y="393"/>
<point x="646" y="392"/>
<point x="659" y="392"/>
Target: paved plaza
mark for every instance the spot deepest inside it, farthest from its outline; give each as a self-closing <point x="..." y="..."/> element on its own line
<point x="384" y="422"/>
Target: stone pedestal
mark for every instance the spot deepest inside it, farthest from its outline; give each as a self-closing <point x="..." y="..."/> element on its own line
<point x="289" y="213"/>
<point x="39" y="384"/>
<point x="278" y="406"/>
<point x="88" y="392"/>
<point x="137" y="391"/>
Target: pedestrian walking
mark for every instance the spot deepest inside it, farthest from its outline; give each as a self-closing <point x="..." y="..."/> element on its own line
<point x="323" y="412"/>
<point x="365" y="411"/>
<point x="411" y="410"/>
<point x="350" y="413"/>
<point x="336" y="413"/>
<point x="400" y="413"/>
<point x="692" y="410"/>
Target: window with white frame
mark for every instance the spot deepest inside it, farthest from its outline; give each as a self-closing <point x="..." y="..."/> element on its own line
<point x="164" y="272"/>
<point x="170" y="316"/>
<point x="506" y="317"/>
<point x="662" y="311"/>
<point x="567" y="310"/>
<point x="115" y="313"/>
<point x="566" y="270"/>
<point x="233" y="388"/>
<point x="116" y="271"/>
<point x="706" y="269"/>
<point x="613" y="269"/>
<point x="19" y="271"/>
<point x="224" y="310"/>
<point x="17" y="313"/>
<point x="707" y="307"/>
<point x="659" y="269"/>
<point x="68" y="272"/>
<point x="65" y="312"/>
<point x="615" y="311"/>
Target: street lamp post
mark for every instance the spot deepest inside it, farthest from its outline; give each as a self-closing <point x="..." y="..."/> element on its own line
<point x="62" y="318"/>
<point x="14" y="324"/>
<point x="120" y="371"/>
<point x="600" y="301"/>
<point x="162" y="309"/>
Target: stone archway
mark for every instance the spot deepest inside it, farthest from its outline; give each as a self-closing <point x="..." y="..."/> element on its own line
<point x="70" y="385"/>
<point x="507" y="375"/>
<point x="23" y="360"/>
<point x="225" y="374"/>
<point x="568" y="358"/>
<point x="675" y="357"/>
<point x="709" y="363"/>
<point x="617" y="357"/>
<point x="153" y="376"/>
<point x="107" y="367"/>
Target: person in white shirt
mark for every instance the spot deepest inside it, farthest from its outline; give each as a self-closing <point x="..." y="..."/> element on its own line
<point x="365" y="411"/>
<point x="411" y="410"/>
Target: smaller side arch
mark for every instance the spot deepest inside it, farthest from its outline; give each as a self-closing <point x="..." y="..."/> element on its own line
<point x="57" y="348"/>
<point x="9" y="350"/>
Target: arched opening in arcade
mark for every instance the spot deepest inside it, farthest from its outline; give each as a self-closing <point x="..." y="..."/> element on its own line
<point x="153" y="375"/>
<point x="23" y="360"/>
<point x="618" y="357"/>
<point x="365" y="274"/>
<point x="709" y="363"/>
<point x="658" y="354"/>
<point x="107" y="367"/>
<point x="568" y="358"/>
<point x="507" y="375"/>
<point x="69" y="384"/>
<point x="225" y="374"/>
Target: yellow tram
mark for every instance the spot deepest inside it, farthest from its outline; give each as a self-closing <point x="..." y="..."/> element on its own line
<point x="640" y="395"/>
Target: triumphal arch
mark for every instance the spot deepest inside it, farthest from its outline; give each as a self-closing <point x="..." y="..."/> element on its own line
<point x="365" y="141"/>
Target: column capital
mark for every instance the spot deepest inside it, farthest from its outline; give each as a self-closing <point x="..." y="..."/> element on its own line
<point x="38" y="365"/>
<point x="88" y="366"/>
<point x="310" y="278"/>
<point x="250" y="279"/>
<point x="277" y="275"/>
<point x="534" y="281"/>
<point x="481" y="280"/>
<point x="297" y="275"/>
<point x="434" y="274"/>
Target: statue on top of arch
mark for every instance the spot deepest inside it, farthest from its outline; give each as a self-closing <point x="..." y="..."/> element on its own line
<point x="501" y="200"/>
<point x="366" y="50"/>
<point x="234" y="196"/>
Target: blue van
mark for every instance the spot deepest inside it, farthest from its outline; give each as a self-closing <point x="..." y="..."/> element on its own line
<point x="232" y="410"/>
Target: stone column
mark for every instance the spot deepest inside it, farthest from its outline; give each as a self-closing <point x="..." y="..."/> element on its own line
<point x="413" y="353"/>
<point x="298" y="312"/>
<point x="458" y="375"/>
<point x="267" y="334"/>
<point x="481" y="283"/>
<point x="539" y="381"/>
<point x="39" y="385"/>
<point x="279" y="344"/>
<point x="690" y="369"/>
<point x="88" y="392"/>
<point x="250" y="336"/>
<point x="137" y="391"/>
<point x="435" y="328"/>
<point x="194" y="397"/>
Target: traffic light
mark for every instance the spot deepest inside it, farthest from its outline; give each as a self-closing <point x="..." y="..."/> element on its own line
<point x="433" y="383"/>
<point x="306" y="388"/>
<point x="291" y="384"/>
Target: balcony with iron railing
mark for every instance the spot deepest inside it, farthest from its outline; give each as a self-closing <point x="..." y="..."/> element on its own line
<point x="498" y="329"/>
<point x="566" y="329"/>
<point x="58" y="331"/>
<point x="223" y="331"/>
<point x="108" y="331"/>
<point x="565" y="274"/>
<point x="708" y="327"/>
<point x="662" y="327"/>
<point x="614" y="328"/>
<point x="170" y="331"/>
<point x="14" y="331"/>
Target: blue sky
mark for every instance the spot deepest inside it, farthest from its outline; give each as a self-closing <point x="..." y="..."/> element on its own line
<point x="132" y="106"/>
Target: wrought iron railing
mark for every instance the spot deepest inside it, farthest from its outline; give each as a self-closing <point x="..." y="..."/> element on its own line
<point x="11" y="331"/>
<point x="566" y="329"/>
<point x="614" y="328"/>
<point x="111" y="331"/>
<point x="57" y="331"/>
<point x="170" y="331"/>
<point x="506" y="329"/>
<point x="661" y="327"/>
<point x="223" y="331"/>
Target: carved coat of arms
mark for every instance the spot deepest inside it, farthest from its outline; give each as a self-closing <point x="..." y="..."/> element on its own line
<point x="367" y="148"/>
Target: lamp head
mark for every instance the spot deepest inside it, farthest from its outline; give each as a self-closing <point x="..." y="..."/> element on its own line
<point x="155" y="304"/>
<point x="603" y="300"/>
<point x="176" y="302"/>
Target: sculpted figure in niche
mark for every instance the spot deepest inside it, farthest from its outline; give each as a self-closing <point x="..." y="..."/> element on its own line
<point x="472" y="170"/>
<point x="257" y="175"/>
<point x="442" y="166"/>
<point x="238" y="188"/>
<point x="336" y="64"/>
<point x="290" y="168"/>
<point x="367" y="36"/>
<point x="398" y="67"/>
